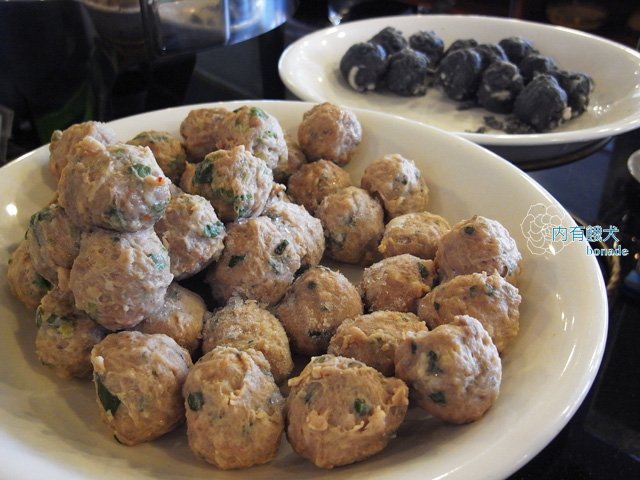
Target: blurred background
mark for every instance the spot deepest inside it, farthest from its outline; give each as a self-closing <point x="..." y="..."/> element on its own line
<point x="65" y="61"/>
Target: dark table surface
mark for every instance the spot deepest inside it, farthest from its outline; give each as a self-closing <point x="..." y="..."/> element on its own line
<point x="602" y="440"/>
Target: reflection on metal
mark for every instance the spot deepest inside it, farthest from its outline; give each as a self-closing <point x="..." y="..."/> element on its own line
<point x="180" y="26"/>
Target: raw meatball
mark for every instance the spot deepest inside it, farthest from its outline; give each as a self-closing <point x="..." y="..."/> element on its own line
<point x="25" y="283"/>
<point x="316" y="304"/>
<point x="180" y="317"/>
<point x="118" y="186"/>
<point x="490" y="299"/>
<point x="236" y="182"/>
<point x="120" y="278"/>
<point x="353" y="223"/>
<point x="534" y="64"/>
<point x="516" y="48"/>
<point x="138" y="379"/>
<point x="295" y="159"/>
<point x="363" y="66"/>
<point x="65" y="335"/>
<point x="501" y="83"/>
<point x="202" y="131"/>
<point x="305" y="230"/>
<point x="407" y="73"/>
<point x="459" y="73"/>
<point x="398" y="183"/>
<point x="429" y="43"/>
<point x="329" y="132"/>
<point x="259" y="132"/>
<point x="167" y="150"/>
<point x="63" y="141"/>
<point x="578" y="87"/>
<point x="416" y="233"/>
<point x="54" y="242"/>
<point x="397" y="283"/>
<point x="454" y="370"/>
<point x="234" y="409"/>
<point x="192" y="234"/>
<point x="258" y="263"/>
<point x="341" y="411"/>
<point x="314" y="181"/>
<point x="373" y="338"/>
<point x="391" y="39"/>
<point x="543" y="104"/>
<point x="478" y="244"/>
<point x="244" y="324"/>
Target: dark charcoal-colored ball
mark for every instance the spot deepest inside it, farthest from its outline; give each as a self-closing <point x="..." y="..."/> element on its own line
<point x="490" y="52"/>
<point x="578" y="87"/>
<point x="500" y="85"/>
<point x="460" y="44"/>
<point x="363" y="66"/>
<point x="429" y="43"/>
<point x="542" y="103"/>
<point x="459" y="73"/>
<point x="533" y="64"/>
<point x="391" y="39"/>
<point x="516" y="48"/>
<point x="407" y="73"/>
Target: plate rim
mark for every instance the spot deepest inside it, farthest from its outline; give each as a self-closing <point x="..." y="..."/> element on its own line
<point x="587" y="376"/>
<point x="494" y="139"/>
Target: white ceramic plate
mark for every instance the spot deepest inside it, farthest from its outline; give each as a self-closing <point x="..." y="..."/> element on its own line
<point x="309" y="69"/>
<point x="51" y="429"/>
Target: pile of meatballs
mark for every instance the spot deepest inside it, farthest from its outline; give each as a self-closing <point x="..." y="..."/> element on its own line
<point x="281" y="344"/>
<point x="509" y="77"/>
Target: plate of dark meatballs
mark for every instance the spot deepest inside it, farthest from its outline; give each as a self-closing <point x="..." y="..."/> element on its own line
<point x="290" y="290"/>
<point x="528" y="91"/>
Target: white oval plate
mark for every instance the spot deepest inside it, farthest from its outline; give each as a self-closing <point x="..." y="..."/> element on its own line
<point x="309" y="69"/>
<point x="51" y="429"/>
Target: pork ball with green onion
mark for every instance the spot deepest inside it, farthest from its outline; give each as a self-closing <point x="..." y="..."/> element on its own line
<point x="192" y="234"/>
<point x="341" y="411"/>
<point x="236" y="182"/>
<point x="234" y="409"/>
<point x="258" y="263"/>
<point x="138" y="379"/>
<point x="120" y="278"/>
<point x="54" y="241"/>
<point x="454" y="371"/>
<point x="118" y="187"/>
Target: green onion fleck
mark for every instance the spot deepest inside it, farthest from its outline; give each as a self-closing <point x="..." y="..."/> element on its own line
<point x="195" y="400"/>
<point x="424" y="271"/>
<point x="361" y="406"/>
<point x="108" y="400"/>
<point x="235" y="260"/>
<point x="141" y="170"/>
<point x="41" y="283"/>
<point x="438" y="397"/>
<point x="282" y="246"/>
<point x="204" y="172"/>
<point x="158" y="261"/>
<point x="257" y="112"/>
<point x="212" y="230"/>
<point x="432" y="367"/>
